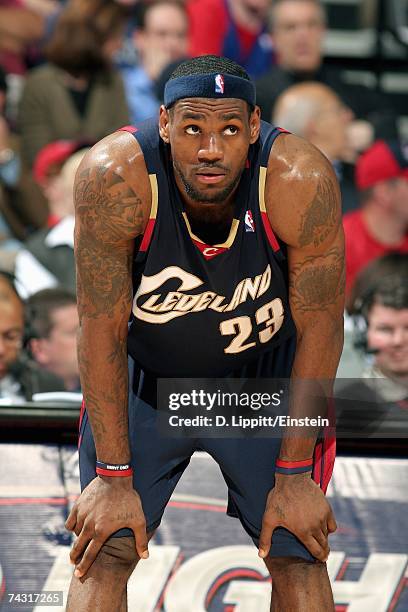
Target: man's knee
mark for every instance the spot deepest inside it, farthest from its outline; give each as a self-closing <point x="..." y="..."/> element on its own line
<point x="299" y="585"/>
<point x="287" y="568"/>
<point x="119" y="553"/>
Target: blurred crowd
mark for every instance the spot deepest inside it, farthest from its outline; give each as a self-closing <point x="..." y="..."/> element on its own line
<point x="73" y="71"/>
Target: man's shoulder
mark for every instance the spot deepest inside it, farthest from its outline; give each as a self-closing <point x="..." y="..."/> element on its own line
<point x="294" y="158"/>
<point x="274" y="77"/>
<point x="33" y="379"/>
<point x="301" y="186"/>
<point x="112" y="180"/>
<point x="118" y="151"/>
<point x="43" y="72"/>
<point x="136" y="76"/>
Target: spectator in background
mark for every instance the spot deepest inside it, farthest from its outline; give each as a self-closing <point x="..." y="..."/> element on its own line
<point x="47" y="259"/>
<point x="54" y="325"/>
<point x="232" y="28"/>
<point x="78" y="94"/>
<point x="20" y="378"/>
<point x="380" y="225"/>
<point x="22" y="23"/>
<point x="11" y="227"/>
<point x="160" y="39"/>
<point x="298" y="29"/>
<point x="20" y="210"/>
<point x="313" y="111"/>
<point x="380" y="310"/>
<point x="48" y="174"/>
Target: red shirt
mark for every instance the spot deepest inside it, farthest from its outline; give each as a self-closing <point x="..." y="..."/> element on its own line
<point x="362" y="247"/>
<point x="209" y="22"/>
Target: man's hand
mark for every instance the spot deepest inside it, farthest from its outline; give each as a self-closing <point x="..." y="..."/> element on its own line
<point x="299" y="505"/>
<point x="105" y="506"/>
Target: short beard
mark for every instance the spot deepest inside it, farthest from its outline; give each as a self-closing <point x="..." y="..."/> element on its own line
<point x="197" y="196"/>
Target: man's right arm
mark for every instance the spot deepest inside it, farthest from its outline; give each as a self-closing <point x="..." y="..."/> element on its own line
<point x="110" y="213"/>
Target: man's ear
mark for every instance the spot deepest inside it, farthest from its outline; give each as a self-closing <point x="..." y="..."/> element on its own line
<point x="139" y="40"/>
<point x="36" y="347"/>
<point x="255" y="124"/>
<point x="164" y="124"/>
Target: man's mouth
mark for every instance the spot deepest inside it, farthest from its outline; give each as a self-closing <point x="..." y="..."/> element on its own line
<point x="210" y="175"/>
<point x="210" y="178"/>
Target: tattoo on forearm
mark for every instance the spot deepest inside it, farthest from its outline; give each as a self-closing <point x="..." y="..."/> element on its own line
<point x="108" y="214"/>
<point x="317" y="282"/>
<point x="113" y="392"/>
<point x="321" y="216"/>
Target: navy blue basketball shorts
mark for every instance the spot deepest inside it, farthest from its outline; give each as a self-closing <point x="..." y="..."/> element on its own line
<point x="247" y="465"/>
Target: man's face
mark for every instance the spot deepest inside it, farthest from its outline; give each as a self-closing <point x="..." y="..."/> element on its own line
<point x="298" y="33"/>
<point x="388" y="334"/>
<point x="209" y="141"/>
<point x="399" y="196"/>
<point x="11" y="333"/>
<point x="58" y="352"/>
<point x="331" y="125"/>
<point x="165" y="32"/>
<point x="257" y="8"/>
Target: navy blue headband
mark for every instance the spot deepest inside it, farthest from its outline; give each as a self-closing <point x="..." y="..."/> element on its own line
<point x="212" y="85"/>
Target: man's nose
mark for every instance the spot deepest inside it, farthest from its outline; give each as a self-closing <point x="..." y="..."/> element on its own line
<point x="399" y="338"/>
<point x="211" y="149"/>
<point x="348" y="114"/>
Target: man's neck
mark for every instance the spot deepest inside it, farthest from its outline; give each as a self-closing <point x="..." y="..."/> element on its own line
<point x="210" y="222"/>
<point x="400" y="378"/>
<point x="71" y="383"/>
<point x="383" y="226"/>
<point x="302" y="75"/>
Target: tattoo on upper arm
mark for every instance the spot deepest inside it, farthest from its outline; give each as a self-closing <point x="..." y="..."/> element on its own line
<point x="317" y="282"/>
<point x="321" y="216"/>
<point x="108" y="211"/>
<point x="107" y="206"/>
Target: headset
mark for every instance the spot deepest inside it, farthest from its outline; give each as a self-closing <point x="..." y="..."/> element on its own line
<point x="359" y="317"/>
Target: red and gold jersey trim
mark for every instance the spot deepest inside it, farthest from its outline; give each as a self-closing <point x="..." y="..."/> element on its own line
<point x="148" y="233"/>
<point x="262" y="207"/>
<point x="211" y="250"/>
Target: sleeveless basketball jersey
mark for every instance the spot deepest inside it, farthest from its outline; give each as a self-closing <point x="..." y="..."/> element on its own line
<point x="209" y="310"/>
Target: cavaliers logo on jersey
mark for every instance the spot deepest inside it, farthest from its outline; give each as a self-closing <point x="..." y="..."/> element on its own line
<point x="153" y="306"/>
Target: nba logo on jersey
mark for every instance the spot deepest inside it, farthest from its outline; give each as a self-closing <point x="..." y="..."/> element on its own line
<point x="219" y="84"/>
<point x="249" y="222"/>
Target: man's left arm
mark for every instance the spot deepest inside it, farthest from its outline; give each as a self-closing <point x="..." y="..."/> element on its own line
<point x="303" y="204"/>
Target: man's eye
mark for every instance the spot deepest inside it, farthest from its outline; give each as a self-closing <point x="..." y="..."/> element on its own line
<point x="192" y="129"/>
<point x="231" y="130"/>
<point x="385" y="329"/>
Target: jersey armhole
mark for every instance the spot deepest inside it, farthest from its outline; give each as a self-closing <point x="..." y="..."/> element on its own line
<point x="154" y="188"/>
<point x="266" y="149"/>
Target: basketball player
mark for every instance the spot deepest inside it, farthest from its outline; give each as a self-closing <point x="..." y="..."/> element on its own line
<point x="191" y="207"/>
